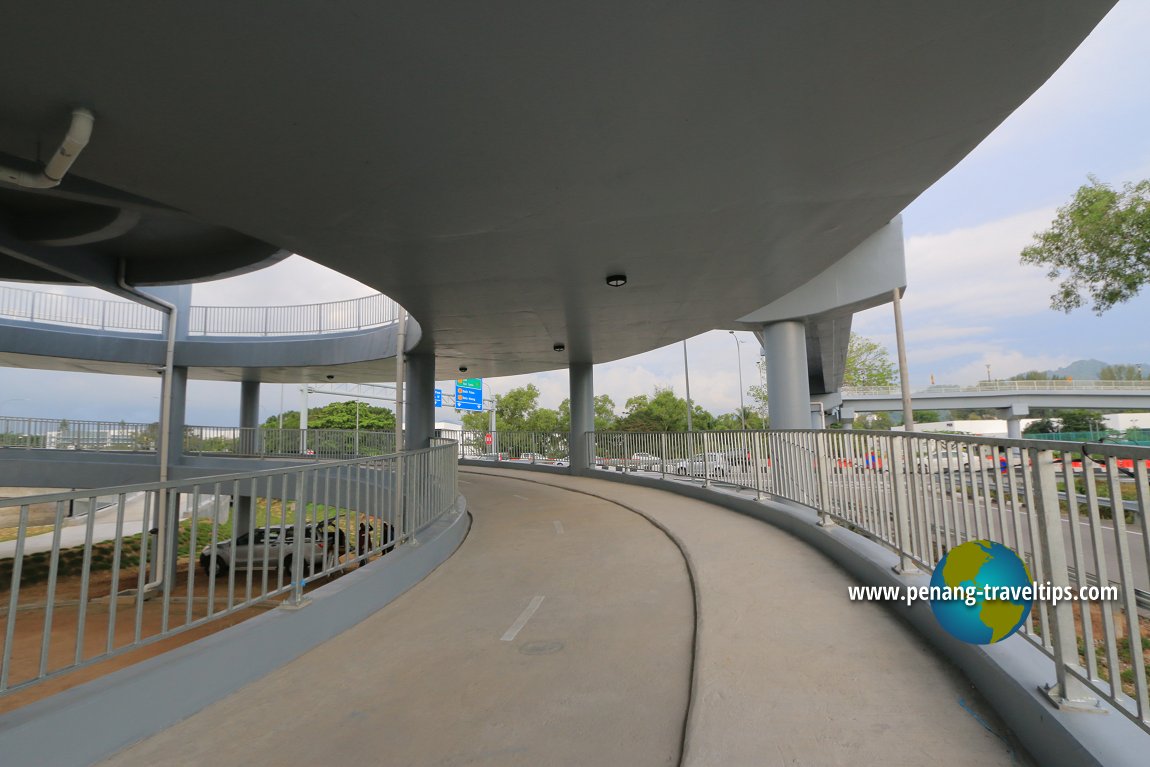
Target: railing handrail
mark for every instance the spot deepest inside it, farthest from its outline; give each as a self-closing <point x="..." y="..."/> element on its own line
<point x="322" y="318"/>
<point x="1001" y="386"/>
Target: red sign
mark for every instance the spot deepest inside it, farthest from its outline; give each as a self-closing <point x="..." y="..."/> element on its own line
<point x="487" y="439"/>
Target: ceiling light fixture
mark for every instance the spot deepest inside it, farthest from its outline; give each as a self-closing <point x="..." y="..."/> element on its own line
<point x="559" y="347"/>
<point x="616" y="280"/>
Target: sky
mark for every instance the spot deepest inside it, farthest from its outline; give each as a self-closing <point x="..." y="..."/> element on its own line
<point x="968" y="303"/>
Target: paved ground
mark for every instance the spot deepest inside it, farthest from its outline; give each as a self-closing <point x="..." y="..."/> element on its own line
<point x="460" y="671"/>
<point x="787" y="670"/>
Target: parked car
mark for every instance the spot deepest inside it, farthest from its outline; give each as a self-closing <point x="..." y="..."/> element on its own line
<point x="532" y="457"/>
<point x="943" y="461"/>
<point x="644" y="461"/>
<point x="700" y="463"/>
<point x="276" y="548"/>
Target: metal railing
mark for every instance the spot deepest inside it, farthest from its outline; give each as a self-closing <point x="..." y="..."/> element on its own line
<point x="922" y="495"/>
<point x="248" y="442"/>
<point x="541" y="447"/>
<point x="256" y="321"/>
<point x="1006" y="386"/>
<point x="163" y="558"/>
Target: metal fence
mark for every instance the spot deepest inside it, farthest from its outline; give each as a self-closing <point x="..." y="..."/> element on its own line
<point x="541" y="447"/>
<point x="1054" y="504"/>
<point x="163" y="558"/>
<point x="125" y="316"/>
<point x="78" y="311"/>
<point x="257" y="442"/>
<point x="1007" y="386"/>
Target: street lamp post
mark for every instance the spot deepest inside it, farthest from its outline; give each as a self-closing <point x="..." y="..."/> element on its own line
<point x="742" y="407"/>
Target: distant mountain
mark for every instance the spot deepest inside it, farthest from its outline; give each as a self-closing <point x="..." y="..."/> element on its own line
<point x="1089" y="370"/>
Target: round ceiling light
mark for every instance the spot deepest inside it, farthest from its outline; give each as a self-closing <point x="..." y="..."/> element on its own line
<point x="616" y="280"/>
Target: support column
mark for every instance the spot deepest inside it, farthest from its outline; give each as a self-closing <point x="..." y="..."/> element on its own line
<point x="788" y="384"/>
<point x="179" y="412"/>
<point x="420" y="402"/>
<point x="249" y="444"/>
<point x="582" y="381"/>
<point x="1014" y="415"/>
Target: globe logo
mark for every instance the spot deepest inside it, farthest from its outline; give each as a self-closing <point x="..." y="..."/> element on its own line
<point x="981" y="592"/>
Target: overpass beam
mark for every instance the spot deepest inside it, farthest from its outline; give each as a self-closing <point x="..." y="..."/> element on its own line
<point x="420" y="401"/>
<point x="582" y="379"/>
<point x="785" y="347"/>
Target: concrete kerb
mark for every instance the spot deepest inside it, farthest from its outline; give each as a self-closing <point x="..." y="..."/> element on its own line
<point x="108" y="714"/>
<point x="688" y="720"/>
<point x="1008" y="674"/>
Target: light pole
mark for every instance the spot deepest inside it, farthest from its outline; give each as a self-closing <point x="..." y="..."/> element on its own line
<point x="687" y="378"/>
<point x="739" y="352"/>
<point x="988" y="372"/>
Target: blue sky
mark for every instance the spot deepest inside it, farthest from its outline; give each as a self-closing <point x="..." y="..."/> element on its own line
<point x="968" y="303"/>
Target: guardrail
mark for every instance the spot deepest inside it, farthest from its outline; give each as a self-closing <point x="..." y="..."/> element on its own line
<point x="167" y="557"/>
<point x="1006" y="386"/>
<point x="542" y="447"/>
<point x="257" y="321"/>
<point x="247" y="442"/>
<point x="923" y="495"/>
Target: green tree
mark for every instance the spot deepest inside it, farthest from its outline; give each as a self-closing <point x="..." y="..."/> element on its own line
<point x="663" y="411"/>
<point x="1036" y="375"/>
<point x="1121" y="373"/>
<point x="605" y="418"/>
<point x="868" y="364"/>
<point x="1098" y="245"/>
<point x="927" y="416"/>
<point x="873" y="421"/>
<point x="759" y="397"/>
<point x="338" y="415"/>
<point x="1081" y="420"/>
<point x="1041" y="426"/>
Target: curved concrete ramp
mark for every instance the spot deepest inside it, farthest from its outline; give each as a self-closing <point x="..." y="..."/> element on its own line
<point x="788" y="670"/>
<point x="462" y="671"/>
<point x="470" y="667"/>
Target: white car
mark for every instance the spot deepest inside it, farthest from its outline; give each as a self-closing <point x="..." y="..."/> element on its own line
<point x="532" y="457"/>
<point x="701" y="463"/>
<point x="943" y="461"/>
<point x="644" y="461"/>
<point x="267" y="547"/>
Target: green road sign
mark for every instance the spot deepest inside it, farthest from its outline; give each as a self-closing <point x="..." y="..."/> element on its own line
<point x="470" y="383"/>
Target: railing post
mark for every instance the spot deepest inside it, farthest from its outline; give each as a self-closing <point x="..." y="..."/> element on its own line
<point x="297" y="544"/>
<point x="662" y="455"/>
<point x="822" y="458"/>
<point x="898" y="480"/>
<point x="1068" y="692"/>
<point x="706" y="461"/>
<point x="758" y="465"/>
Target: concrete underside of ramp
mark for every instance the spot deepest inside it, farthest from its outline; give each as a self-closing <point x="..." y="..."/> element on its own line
<point x="684" y="633"/>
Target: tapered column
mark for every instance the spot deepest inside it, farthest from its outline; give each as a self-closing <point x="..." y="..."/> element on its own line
<point x="582" y="413"/>
<point x="788" y="385"/>
<point x="420" y="401"/>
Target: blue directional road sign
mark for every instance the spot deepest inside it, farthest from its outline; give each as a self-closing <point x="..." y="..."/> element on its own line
<point x="439" y="397"/>
<point x="467" y="398"/>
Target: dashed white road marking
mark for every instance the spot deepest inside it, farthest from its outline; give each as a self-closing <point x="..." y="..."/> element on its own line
<point x="521" y="621"/>
<point x="558" y="527"/>
<point x="521" y="497"/>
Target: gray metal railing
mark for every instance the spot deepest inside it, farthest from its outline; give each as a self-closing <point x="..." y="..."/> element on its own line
<point x="163" y="558"/>
<point x="922" y="495"/>
<point x="232" y="321"/>
<point x="1005" y="386"/>
<point x="258" y="442"/>
<point x="541" y="447"/>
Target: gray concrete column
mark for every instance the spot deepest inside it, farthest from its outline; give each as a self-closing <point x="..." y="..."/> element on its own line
<point x="1014" y="415"/>
<point x="582" y="379"/>
<point x="178" y="415"/>
<point x="249" y="443"/>
<point x="419" y="402"/>
<point x="1014" y="428"/>
<point x="788" y="385"/>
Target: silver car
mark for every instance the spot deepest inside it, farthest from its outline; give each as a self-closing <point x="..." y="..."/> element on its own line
<point x="267" y="547"/>
<point x="700" y="463"/>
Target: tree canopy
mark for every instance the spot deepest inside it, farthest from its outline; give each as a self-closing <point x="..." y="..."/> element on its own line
<point x="1121" y="373"/>
<point x="338" y="415"/>
<point x="868" y="364"/>
<point x="1098" y="246"/>
<point x="1036" y="375"/>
